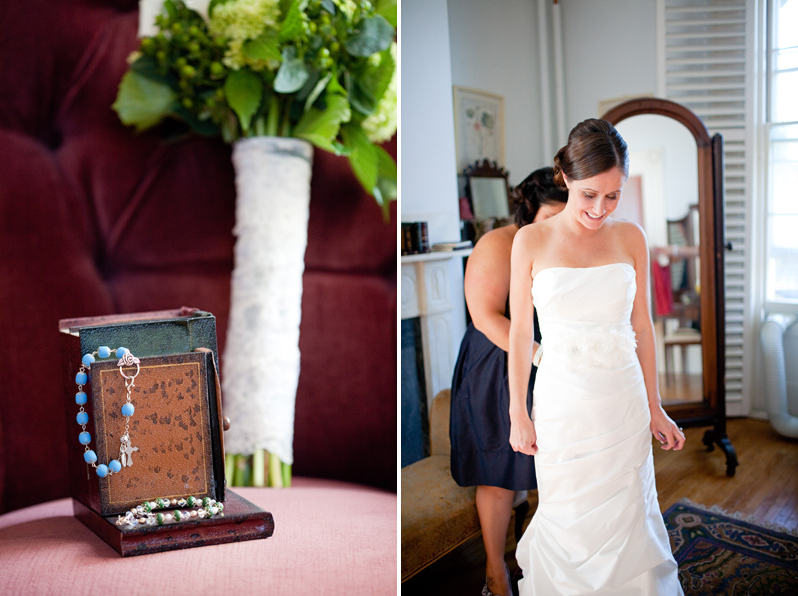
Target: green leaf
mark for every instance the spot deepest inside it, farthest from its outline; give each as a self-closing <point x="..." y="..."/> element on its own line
<point x="386" y="175"/>
<point x="361" y="98"/>
<point x="143" y="102"/>
<point x="285" y="5"/>
<point x="292" y="74"/>
<point x="317" y="91"/>
<point x="387" y="9"/>
<point x="244" y="91"/>
<point x="364" y="157"/>
<point x="335" y="87"/>
<point x="205" y="128"/>
<point x="329" y="6"/>
<point x="321" y="127"/>
<point x="263" y="47"/>
<point x="148" y="67"/>
<point x="375" y="35"/>
<point x="171" y="9"/>
<point x="292" y="23"/>
<point x="377" y="78"/>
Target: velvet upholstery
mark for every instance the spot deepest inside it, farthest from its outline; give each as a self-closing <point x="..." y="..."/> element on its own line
<point x="437" y="514"/>
<point x="96" y="219"/>
<point x="330" y="538"/>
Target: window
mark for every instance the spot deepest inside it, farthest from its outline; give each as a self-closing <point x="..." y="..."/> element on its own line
<point x="782" y="127"/>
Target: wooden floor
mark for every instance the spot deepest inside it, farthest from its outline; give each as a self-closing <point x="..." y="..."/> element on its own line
<point x="681" y="388"/>
<point x="765" y="486"/>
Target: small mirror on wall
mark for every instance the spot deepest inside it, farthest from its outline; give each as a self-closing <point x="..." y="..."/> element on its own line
<point x="489" y="197"/>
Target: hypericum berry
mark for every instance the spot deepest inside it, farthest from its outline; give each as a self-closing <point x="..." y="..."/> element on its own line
<point x="217" y="69"/>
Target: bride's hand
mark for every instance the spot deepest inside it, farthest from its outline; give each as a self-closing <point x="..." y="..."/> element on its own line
<point x="523" y="438"/>
<point x="665" y="430"/>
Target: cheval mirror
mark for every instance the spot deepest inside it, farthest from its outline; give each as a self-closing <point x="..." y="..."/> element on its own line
<point x="675" y="192"/>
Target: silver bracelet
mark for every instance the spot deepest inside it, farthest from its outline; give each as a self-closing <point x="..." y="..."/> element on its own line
<point x="538" y="355"/>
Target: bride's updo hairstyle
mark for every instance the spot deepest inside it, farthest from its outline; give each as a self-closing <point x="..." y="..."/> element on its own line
<point x="594" y="147"/>
<point x="533" y="192"/>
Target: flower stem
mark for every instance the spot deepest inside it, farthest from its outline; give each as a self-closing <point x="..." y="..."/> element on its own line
<point x="273" y="116"/>
<point x="285" y="129"/>
<point x="230" y="467"/>
<point x="275" y="471"/>
<point x="243" y="470"/>
<point x="259" y="467"/>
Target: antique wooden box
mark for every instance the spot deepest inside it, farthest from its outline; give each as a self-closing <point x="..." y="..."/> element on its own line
<point x="175" y="446"/>
<point x="175" y="430"/>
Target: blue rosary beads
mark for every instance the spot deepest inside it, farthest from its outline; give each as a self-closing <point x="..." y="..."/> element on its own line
<point x="126" y="359"/>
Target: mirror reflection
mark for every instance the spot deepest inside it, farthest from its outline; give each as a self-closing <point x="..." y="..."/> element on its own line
<point x="662" y="196"/>
<point x="489" y="197"/>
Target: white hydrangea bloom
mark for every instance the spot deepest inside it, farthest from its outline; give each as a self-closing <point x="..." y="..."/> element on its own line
<point x="239" y="21"/>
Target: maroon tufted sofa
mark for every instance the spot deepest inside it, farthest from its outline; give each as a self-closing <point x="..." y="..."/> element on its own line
<point x="96" y="219"/>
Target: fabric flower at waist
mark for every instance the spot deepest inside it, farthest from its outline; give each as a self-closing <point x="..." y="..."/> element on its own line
<point x="597" y="347"/>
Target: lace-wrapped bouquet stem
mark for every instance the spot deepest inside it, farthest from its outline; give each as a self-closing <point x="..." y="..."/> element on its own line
<point x="275" y="78"/>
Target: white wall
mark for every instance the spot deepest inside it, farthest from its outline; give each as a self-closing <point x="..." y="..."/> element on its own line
<point x="428" y="171"/>
<point x="609" y="50"/>
<point x="679" y="154"/>
<point x="429" y="186"/>
<point x="494" y="48"/>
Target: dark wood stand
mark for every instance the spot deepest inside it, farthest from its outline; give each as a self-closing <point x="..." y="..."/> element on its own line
<point x="241" y="521"/>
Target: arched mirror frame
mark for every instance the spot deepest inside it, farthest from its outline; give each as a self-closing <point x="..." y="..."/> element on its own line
<point x="711" y="411"/>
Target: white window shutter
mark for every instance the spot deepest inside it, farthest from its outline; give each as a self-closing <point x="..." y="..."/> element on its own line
<point x="705" y="63"/>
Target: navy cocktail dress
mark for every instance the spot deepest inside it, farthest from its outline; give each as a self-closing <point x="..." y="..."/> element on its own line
<point x="479" y="427"/>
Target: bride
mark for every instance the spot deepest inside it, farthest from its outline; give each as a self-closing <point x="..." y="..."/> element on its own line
<point x="598" y="528"/>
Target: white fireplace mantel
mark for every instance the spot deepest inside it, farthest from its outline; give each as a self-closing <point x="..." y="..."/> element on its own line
<point x="428" y="293"/>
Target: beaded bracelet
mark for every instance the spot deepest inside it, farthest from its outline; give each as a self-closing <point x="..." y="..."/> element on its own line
<point x="146" y="512"/>
<point x="126" y="449"/>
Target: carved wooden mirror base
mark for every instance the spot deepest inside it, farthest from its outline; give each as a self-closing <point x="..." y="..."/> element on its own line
<point x="687" y="257"/>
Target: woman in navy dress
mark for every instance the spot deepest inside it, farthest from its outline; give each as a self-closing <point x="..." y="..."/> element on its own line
<point x="480" y="421"/>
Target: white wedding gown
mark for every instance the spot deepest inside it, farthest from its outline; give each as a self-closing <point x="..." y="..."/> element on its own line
<point x="598" y="527"/>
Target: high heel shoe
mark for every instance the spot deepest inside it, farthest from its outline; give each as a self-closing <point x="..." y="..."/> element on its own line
<point x="486" y="590"/>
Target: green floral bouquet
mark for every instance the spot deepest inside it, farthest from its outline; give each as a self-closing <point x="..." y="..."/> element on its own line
<point x="320" y="70"/>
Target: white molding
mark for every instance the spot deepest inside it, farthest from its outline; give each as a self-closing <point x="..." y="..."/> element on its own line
<point x="545" y="79"/>
<point x="428" y="292"/>
<point x="559" y="75"/>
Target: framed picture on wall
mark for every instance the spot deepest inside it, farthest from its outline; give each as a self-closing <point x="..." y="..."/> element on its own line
<point x="478" y="127"/>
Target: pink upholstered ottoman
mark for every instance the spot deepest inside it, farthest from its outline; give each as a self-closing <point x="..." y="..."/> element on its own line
<point x="330" y="538"/>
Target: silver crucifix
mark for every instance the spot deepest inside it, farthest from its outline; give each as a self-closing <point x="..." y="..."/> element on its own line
<point x="126" y="451"/>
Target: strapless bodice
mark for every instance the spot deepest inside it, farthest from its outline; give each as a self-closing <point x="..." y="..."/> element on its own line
<point x="585" y="314"/>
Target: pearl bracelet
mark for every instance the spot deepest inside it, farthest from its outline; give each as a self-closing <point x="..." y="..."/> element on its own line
<point x="126" y="449"/>
<point x="147" y="514"/>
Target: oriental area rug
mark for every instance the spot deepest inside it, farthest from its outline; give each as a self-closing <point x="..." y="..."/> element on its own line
<point x="719" y="555"/>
